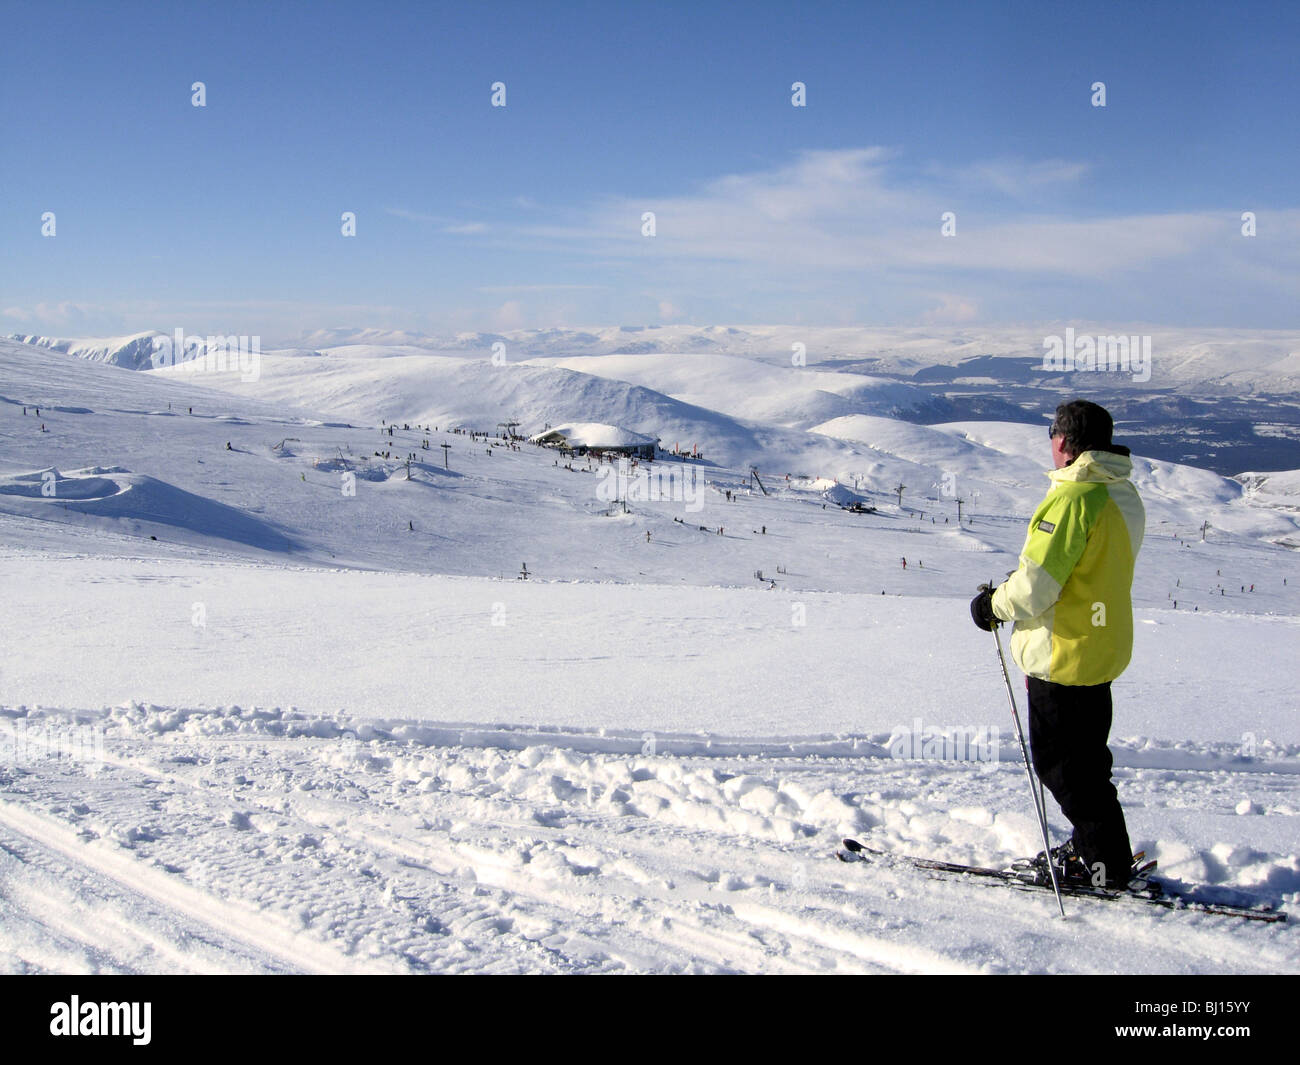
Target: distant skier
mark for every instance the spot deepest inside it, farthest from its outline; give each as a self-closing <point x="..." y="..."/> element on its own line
<point x="1076" y="567"/>
<point x="904" y="562"/>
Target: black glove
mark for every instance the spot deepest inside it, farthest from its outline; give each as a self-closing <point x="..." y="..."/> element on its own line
<point x="981" y="609"/>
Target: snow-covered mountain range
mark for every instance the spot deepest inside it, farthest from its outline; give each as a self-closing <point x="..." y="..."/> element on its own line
<point x="1222" y="400"/>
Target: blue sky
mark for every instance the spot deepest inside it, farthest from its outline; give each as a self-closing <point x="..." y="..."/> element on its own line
<point x="227" y="218"/>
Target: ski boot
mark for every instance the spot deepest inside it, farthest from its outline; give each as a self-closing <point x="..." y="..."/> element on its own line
<point x="1070" y="869"/>
<point x="1073" y="872"/>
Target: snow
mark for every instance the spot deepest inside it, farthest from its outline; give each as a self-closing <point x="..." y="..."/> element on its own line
<point x="1239" y="360"/>
<point x="786" y="396"/>
<point x="595" y="435"/>
<point x="250" y="722"/>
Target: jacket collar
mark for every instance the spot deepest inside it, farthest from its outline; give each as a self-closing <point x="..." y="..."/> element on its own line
<point x="1105" y="467"/>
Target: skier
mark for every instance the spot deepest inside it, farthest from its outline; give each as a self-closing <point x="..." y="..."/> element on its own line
<point x="1071" y="604"/>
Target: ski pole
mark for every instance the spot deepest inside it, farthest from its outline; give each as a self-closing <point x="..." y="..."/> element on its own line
<point x="1039" y="801"/>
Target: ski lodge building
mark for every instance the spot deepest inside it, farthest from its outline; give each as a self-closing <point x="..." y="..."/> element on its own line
<point x="597" y="438"/>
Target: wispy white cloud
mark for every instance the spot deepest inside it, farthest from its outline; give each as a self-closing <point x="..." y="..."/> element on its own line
<point x="828" y="236"/>
<point x="274" y="320"/>
<point x="416" y="216"/>
<point x="68" y="316"/>
<point x="445" y="224"/>
<point x="860" y="213"/>
<point x="1017" y="177"/>
<point x="952" y="309"/>
<point x="540" y="288"/>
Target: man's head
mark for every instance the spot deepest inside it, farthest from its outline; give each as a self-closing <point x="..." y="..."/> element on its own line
<point x="1079" y="426"/>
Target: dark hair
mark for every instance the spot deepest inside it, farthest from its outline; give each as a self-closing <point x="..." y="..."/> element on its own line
<point x="1085" y="426"/>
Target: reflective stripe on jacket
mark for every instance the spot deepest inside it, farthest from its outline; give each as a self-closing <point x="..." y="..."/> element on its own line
<point x="1071" y="597"/>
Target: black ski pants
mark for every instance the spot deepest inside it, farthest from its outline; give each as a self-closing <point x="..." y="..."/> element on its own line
<point x="1068" y="729"/>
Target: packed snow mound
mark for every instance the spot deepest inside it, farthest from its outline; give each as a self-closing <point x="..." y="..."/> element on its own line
<point x="841" y="496"/>
<point x="135" y="504"/>
<point x="367" y="471"/>
<point x="49" y="483"/>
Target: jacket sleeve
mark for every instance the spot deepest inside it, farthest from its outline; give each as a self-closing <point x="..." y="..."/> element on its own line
<point x="1057" y="537"/>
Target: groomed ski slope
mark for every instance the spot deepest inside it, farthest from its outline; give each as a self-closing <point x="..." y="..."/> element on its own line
<point x="242" y="840"/>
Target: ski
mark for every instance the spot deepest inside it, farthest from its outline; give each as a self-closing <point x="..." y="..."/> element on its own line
<point x="1160" y="895"/>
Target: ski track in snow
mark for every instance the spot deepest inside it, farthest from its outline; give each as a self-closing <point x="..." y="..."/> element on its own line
<point x="233" y="841"/>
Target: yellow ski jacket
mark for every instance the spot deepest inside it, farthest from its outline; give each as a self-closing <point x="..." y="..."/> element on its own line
<point x="1071" y="597"/>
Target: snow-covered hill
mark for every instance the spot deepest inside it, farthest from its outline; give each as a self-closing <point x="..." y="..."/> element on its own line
<point x="273" y="699"/>
<point x="787" y="396"/>
<point x="134" y="352"/>
<point x="291" y="439"/>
